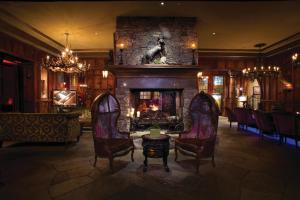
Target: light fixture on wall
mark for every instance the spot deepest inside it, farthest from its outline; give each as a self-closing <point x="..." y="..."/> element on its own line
<point x="66" y="62"/>
<point x="193" y="46"/>
<point x="295" y="63"/>
<point x="121" y="53"/>
<point x="199" y="75"/>
<point x="260" y="70"/>
<point x="295" y="59"/>
<point x="104" y="73"/>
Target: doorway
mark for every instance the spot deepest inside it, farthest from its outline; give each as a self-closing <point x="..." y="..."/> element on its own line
<point x="16" y="84"/>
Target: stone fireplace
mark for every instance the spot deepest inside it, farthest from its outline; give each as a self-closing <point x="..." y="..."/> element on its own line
<point x="130" y="78"/>
<point x="155" y="54"/>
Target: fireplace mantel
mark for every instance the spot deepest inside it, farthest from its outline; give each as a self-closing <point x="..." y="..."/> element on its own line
<point x="155" y="70"/>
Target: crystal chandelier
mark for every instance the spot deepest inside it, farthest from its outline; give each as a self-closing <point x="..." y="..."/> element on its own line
<point x="260" y="71"/>
<point x="66" y="62"/>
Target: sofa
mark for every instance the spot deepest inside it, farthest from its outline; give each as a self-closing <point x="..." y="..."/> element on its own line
<point x="39" y="127"/>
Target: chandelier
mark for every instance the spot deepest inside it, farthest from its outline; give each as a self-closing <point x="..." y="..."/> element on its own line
<point x="260" y="71"/>
<point x="66" y="62"/>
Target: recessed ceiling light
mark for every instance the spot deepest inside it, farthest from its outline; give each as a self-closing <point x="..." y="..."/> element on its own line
<point x="162" y="3"/>
<point x="214" y="33"/>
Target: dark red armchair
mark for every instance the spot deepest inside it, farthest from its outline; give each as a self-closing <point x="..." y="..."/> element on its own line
<point x="285" y="124"/>
<point x="108" y="141"/>
<point x="264" y="122"/>
<point x="242" y="117"/>
<point x="199" y="142"/>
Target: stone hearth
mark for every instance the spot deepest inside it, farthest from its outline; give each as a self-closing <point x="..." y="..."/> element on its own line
<point x="154" y="77"/>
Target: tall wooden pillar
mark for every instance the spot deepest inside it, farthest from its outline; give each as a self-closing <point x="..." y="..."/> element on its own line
<point x="232" y="89"/>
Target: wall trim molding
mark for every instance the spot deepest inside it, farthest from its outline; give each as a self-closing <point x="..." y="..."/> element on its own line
<point x="51" y="46"/>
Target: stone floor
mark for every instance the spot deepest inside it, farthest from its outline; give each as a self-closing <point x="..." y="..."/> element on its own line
<point x="246" y="168"/>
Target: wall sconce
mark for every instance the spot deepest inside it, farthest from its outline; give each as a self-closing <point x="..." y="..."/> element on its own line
<point x="295" y="57"/>
<point x="121" y="53"/>
<point x="193" y="46"/>
<point x="104" y="73"/>
<point x="199" y="75"/>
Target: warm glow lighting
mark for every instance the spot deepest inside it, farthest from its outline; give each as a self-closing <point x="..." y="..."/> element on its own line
<point x="295" y="57"/>
<point x="199" y="74"/>
<point x="104" y="73"/>
<point x="138" y="114"/>
<point x="83" y="85"/>
<point x="122" y="46"/>
<point x="162" y="3"/>
<point x="242" y="98"/>
<point x="67" y="62"/>
<point x="193" y="45"/>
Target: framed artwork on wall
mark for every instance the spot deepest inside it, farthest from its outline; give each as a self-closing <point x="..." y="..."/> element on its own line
<point x="256" y="90"/>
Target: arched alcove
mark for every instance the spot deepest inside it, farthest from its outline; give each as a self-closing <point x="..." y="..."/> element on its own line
<point x="253" y="93"/>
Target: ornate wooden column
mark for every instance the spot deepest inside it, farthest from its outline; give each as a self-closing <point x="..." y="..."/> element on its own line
<point x="232" y="89"/>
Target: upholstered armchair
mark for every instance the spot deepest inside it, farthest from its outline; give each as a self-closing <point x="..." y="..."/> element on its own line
<point x="264" y="122"/>
<point x="199" y="141"/>
<point x="231" y="116"/>
<point x="285" y="124"/>
<point x="241" y="116"/>
<point x="108" y="141"/>
<point x="250" y="118"/>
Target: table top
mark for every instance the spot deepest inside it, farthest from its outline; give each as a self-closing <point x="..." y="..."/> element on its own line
<point x="158" y="137"/>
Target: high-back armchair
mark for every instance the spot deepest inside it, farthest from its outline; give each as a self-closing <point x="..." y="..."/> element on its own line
<point x="264" y="122"/>
<point x="199" y="142"/>
<point x="108" y="141"/>
<point x="285" y="124"/>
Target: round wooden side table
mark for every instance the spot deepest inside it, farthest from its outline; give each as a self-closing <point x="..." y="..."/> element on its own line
<point x="156" y="147"/>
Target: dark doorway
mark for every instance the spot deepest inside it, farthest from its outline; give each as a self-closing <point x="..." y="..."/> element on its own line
<point x="16" y="84"/>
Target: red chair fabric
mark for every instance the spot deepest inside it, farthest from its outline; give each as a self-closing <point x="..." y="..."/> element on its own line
<point x="108" y="141"/>
<point x="285" y="124"/>
<point x="264" y="122"/>
<point x="199" y="141"/>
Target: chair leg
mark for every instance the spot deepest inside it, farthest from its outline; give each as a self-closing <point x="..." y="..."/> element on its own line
<point x="230" y="124"/>
<point x="176" y="153"/>
<point x="132" y="159"/>
<point x="95" y="161"/>
<point x="213" y="160"/>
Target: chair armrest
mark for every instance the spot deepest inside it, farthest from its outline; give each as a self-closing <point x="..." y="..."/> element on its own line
<point x="125" y="133"/>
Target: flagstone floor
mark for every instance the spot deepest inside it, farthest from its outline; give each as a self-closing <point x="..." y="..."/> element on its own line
<point x="246" y="168"/>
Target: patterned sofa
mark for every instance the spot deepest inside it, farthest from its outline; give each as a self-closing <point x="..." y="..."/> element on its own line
<point x="39" y="127"/>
